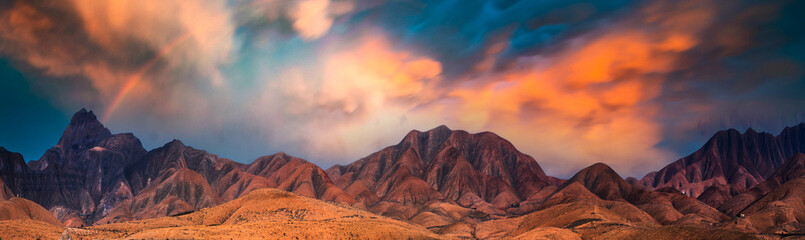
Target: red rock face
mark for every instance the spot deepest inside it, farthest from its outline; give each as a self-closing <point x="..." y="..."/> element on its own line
<point x="13" y="171"/>
<point x="212" y="180"/>
<point x="298" y="176"/>
<point x="792" y="169"/>
<point x="739" y="161"/>
<point x="480" y="171"/>
<point x="77" y="173"/>
<point x="20" y="208"/>
<point x="439" y="178"/>
<point x="176" y="191"/>
<point x="5" y="193"/>
<point x="601" y="185"/>
<point x="94" y="176"/>
<point x="776" y="206"/>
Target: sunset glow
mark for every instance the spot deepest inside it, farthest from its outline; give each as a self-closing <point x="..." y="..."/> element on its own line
<point x="634" y="84"/>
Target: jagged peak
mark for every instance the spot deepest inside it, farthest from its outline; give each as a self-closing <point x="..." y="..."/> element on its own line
<point x="278" y="155"/>
<point x="441" y="128"/>
<point x="800" y="126"/>
<point x="722" y="135"/>
<point x="734" y="132"/>
<point x="174" y="143"/>
<point x="285" y="156"/>
<point x="83" y="131"/>
<point x="596" y="170"/>
<point x="601" y="167"/>
<point x="441" y="132"/>
<point x="84" y="116"/>
<point x="729" y="131"/>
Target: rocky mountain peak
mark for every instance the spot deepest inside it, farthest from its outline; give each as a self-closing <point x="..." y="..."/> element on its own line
<point x="730" y="157"/>
<point x="599" y="174"/>
<point x="83" y="132"/>
<point x="441" y="129"/>
<point x="175" y="143"/>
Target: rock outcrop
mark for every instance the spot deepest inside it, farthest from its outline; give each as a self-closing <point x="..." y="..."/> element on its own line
<point x="93" y="176"/>
<point x="730" y="161"/>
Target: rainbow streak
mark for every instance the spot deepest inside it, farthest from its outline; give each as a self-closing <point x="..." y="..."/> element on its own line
<point x="134" y="79"/>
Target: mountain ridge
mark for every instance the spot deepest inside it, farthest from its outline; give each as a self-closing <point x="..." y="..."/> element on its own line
<point x="102" y="177"/>
<point x="738" y="160"/>
<point x="448" y="181"/>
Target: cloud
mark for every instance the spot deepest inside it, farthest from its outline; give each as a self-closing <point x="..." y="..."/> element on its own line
<point x="350" y="102"/>
<point x="310" y="19"/>
<point x="589" y="102"/>
<point x="569" y="82"/>
<point x="112" y="44"/>
<point x="207" y="24"/>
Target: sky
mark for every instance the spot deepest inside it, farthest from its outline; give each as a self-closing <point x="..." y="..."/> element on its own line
<point x="634" y="84"/>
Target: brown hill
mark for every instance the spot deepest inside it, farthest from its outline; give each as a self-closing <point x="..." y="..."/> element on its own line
<point x="76" y="175"/>
<point x="93" y="175"/>
<point x="480" y="171"/>
<point x="298" y="176"/>
<point x="26" y="229"/>
<point x="176" y="191"/>
<point x="206" y="180"/>
<point x="586" y="220"/>
<point x="782" y="211"/>
<point x="446" y="180"/>
<point x="738" y="161"/>
<point x="266" y="214"/>
<point x="599" y="182"/>
<point x="5" y="193"/>
<point x="20" y="208"/>
<point x="776" y="205"/>
<point x="790" y="170"/>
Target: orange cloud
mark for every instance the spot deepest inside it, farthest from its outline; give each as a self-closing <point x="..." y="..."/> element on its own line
<point x="590" y="102"/>
<point x="358" y="96"/>
<point x="119" y="47"/>
<point x="313" y="18"/>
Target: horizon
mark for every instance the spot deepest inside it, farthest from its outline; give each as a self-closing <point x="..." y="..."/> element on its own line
<point x="247" y="161"/>
<point x="633" y="84"/>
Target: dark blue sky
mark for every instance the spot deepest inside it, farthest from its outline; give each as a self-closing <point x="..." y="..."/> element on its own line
<point x="30" y="124"/>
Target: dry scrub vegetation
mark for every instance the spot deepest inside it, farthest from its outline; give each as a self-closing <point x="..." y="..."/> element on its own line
<point x="265" y="214"/>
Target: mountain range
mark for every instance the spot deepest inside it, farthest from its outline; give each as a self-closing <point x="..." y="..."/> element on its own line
<point x="439" y="183"/>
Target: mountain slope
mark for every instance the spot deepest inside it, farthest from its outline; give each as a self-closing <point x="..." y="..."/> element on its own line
<point x="74" y="176"/>
<point x="444" y="164"/>
<point x="792" y="169"/>
<point x="600" y="182"/>
<point x="781" y="211"/>
<point x="298" y="176"/>
<point x="440" y="178"/>
<point x="266" y="214"/>
<point x="175" y="179"/>
<point x="20" y="208"/>
<point x="94" y="176"/>
<point x="737" y="161"/>
<point x="585" y="220"/>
